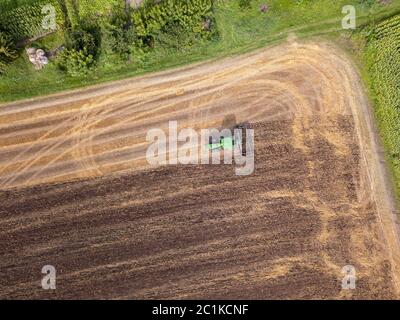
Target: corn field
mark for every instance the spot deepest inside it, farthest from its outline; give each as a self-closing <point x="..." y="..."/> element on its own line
<point x="384" y="66"/>
<point x="26" y="20"/>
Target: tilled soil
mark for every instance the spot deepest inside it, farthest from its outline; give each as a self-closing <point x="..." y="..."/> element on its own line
<point x="200" y="231"/>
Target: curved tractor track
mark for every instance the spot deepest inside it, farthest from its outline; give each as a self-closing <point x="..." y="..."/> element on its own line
<point x="63" y="157"/>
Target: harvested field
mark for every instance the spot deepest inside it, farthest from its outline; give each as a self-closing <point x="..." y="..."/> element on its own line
<point x="77" y="193"/>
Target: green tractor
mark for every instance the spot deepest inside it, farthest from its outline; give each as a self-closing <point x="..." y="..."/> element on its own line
<point x="224" y="143"/>
<point x="237" y="137"/>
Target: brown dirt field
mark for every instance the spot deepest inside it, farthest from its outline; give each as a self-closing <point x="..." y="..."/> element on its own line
<point x="77" y="193"/>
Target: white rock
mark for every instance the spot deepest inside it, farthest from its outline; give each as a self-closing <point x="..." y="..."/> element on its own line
<point x="31" y="51"/>
<point x="43" y="60"/>
<point x="40" y="53"/>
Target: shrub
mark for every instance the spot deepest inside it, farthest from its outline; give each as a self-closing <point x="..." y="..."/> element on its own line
<point x="8" y="51"/>
<point x="367" y="3"/>
<point x="82" y="48"/>
<point x="173" y="35"/>
<point x="118" y="34"/>
<point x="90" y="7"/>
<point x="76" y="63"/>
<point x="158" y="23"/>
<point x="82" y="43"/>
<point x="80" y="39"/>
<point x="245" y="4"/>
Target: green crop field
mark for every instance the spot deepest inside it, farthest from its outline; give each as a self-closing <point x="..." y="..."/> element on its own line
<point x="24" y="20"/>
<point x="382" y="61"/>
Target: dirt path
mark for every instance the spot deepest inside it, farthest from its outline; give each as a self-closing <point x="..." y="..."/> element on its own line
<point x="101" y="131"/>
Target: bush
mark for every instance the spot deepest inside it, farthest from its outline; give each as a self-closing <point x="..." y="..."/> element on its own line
<point x="159" y="22"/>
<point x="82" y="48"/>
<point x="8" y="51"/>
<point x="245" y="4"/>
<point x="118" y="34"/>
<point x="85" y="36"/>
<point x="173" y="35"/>
<point x="76" y="63"/>
<point x="367" y="3"/>
<point x="80" y="39"/>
